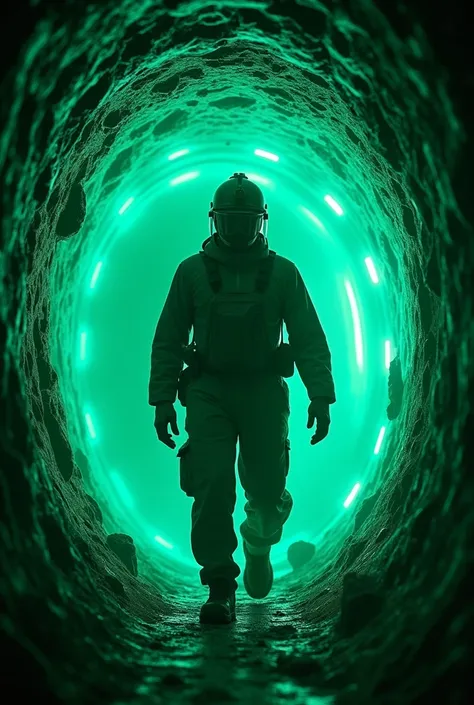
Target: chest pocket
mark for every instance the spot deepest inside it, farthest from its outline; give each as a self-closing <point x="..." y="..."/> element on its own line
<point x="237" y="335"/>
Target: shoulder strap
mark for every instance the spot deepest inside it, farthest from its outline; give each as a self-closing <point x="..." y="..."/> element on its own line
<point x="263" y="279"/>
<point x="265" y="272"/>
<point x="213" y="274"/>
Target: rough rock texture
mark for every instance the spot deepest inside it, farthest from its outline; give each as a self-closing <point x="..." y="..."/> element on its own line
<point x="386" y="617"/>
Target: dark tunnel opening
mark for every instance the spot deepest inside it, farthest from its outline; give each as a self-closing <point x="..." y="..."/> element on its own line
<point x="95" y="97"/>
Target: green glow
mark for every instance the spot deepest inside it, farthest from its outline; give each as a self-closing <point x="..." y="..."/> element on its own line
<point x="356" y="323"/>
<point x="185" y="177"/>
<point x="370" y="266"/>
<point x="122" y="490"/>
<point x="266" y="155"/>
<point x="277" y="574"/>
<point x="379" y="440"/>
<point x="126" y="205"/>
<point x="163" y="542"/>
<point x="90" y="426"/>
<point x="387" y="354"/>
<point x="144" y="491"/>
<point x="82" y="351"/>
<point x="175" y="155"/>
<point x="352" y="495"/>
<point x="97" y="269"/>
<point x="312" y="217"/>
<point x="334" y="205"/>
<point x="258" y="179"/>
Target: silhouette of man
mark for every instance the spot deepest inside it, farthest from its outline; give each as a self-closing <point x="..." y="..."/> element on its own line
<point x="236" y="294"/>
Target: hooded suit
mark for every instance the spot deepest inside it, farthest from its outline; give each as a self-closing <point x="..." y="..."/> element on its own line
<point x="225" y="408"/>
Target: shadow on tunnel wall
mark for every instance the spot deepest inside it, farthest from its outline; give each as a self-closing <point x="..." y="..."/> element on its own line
<point x="393" y="597"/>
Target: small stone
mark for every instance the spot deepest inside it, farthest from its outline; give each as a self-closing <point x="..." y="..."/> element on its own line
<point x="94" y="508"/>
<point x="115" y="585"/>
<point x="283" y="631"/>
<point x="172" y="679"/>
<point x="73" y="212"/>
<point x="361" y="601"/>
<point x="298" y="666"/>
<point x="124" y="548"/>
<point x="300" y="553"/>
<point x="382" y="535"/>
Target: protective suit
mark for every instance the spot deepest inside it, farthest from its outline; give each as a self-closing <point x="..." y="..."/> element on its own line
<point x="236" y="301"/>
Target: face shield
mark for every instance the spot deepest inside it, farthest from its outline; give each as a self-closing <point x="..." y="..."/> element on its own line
<point x="238" y="229"/>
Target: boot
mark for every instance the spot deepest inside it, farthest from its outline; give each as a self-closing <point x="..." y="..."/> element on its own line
<point x="258" y="573"/>
<point x="220" y="607"/>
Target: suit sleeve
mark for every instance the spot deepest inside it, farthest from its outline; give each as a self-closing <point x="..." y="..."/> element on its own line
<point x="308" y="340"/>
<point x="172" y="331"/>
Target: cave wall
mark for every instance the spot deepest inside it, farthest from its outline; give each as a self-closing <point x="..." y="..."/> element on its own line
<point x="66" y="132"/>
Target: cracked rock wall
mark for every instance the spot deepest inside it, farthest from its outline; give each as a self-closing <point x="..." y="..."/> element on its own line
<point x="95" y="90"/>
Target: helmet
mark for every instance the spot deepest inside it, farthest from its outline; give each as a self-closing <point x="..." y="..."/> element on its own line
<point x="238" y="211"/>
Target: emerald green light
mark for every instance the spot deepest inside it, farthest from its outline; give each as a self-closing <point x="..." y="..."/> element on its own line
<point x="95" y="275"/>
<point x="371" y="269"/>
<point x="388" y="354"/>
<point x="82" y="348"/>
<point x="267" y="155"/>
<point x="176" y="155"/>
<point x="334" y="205"/>
<point x="379" y="440"/>
<point x="90" y="425"/>
<point x="258" y="179"/>
<point x="145" y="481"/>
<point x="185" y="177"/>
<point x="162" y="541"/>
<point x="122" y="490"/>
<point x="312" y="217"/>
<point x="126" y="205"/>
<point x="352" y="495"/>
<point x="356" y="324"/>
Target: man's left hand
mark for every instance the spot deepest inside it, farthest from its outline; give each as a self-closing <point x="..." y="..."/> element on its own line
<point x="318" y="411"/>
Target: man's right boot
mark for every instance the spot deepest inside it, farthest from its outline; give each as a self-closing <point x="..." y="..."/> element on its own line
<point x="258" y="573"/>
<point x="220" y="607"/>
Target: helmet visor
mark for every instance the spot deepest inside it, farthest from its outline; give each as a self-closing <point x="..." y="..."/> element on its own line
<point x="238" y="229"/>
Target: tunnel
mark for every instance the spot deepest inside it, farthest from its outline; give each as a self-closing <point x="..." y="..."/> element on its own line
<point x="119" y="121"/>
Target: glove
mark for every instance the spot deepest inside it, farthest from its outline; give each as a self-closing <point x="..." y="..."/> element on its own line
<point x="165" y="414"/>
<point x="319" y="410"/>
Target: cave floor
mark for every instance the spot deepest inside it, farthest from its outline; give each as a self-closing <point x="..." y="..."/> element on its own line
<point x="270" y="655"/>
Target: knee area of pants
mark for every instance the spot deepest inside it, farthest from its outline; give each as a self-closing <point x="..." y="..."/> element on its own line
<point x="265" y="503"/>
<point x="216" y="495"/>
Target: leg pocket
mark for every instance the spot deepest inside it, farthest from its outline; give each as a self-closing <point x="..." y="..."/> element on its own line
<point x="287" y="456"/>
<point x="185" y="475"/>
<point x="285" y="392"/>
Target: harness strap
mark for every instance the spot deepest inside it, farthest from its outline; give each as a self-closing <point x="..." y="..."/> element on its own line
<point x="263" y="274"/>
<point x="262" y="280"/>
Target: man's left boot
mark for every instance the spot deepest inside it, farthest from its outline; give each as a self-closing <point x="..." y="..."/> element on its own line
<point x="220" y="607"/>
<point x="258" y="573"/>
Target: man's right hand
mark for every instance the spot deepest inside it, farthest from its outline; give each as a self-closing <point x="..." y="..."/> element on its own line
<point x="165" y="414"/>
<point x="319" y="411"/>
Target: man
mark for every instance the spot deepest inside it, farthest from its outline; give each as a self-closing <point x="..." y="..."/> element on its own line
<point x="236" y="294"/>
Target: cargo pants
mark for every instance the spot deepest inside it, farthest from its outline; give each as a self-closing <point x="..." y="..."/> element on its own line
<point x="220" y="411"/>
